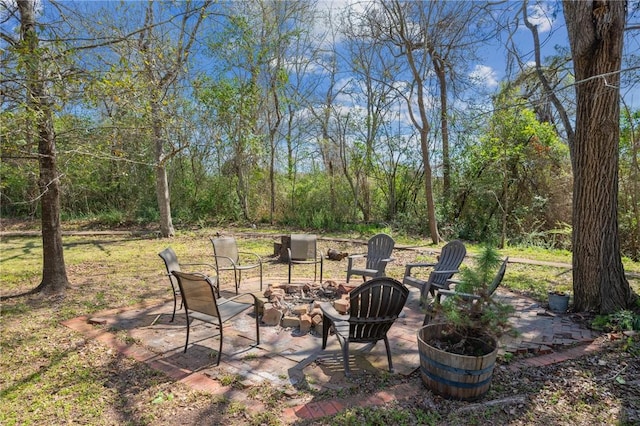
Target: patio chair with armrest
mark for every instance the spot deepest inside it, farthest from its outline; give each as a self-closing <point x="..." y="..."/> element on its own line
<point x="228" y="258"/>
<point x="200" y="302"/>
<point x="171" y="263"/>
<point x="451" y="290"/>
<point x="373" y="308"/>
<point x="451" y="256"/>
<point x="303" y="250"/>
<point x="378" y="255"/>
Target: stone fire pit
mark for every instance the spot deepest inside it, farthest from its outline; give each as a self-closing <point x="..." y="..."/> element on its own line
<point x="298" y="305"/>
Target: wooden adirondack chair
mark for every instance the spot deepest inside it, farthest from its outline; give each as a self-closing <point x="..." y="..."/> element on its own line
<point x="448" y="292"/>
<point x="378" y="255"/>
<point x="374" y="307"/>
<point x="451" y="257"/>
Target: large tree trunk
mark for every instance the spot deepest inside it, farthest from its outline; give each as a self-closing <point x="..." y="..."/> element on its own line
<point x="595" y="35"/>
<point x="54" y="274"/>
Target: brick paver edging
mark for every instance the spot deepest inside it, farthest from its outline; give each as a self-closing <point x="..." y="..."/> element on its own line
<point x="556" y="357"/>
<point x="318" y="409"/>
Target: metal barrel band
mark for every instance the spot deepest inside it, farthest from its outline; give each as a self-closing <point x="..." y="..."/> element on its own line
<point x="457" y="370"/>
<point x="461" y="385"/>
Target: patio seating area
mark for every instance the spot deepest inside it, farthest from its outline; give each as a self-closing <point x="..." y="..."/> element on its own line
<point x="291" y="358"/>
<point x="285" y="356"/>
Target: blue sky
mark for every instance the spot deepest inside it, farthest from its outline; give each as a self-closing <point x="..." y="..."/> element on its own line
<point x="549" y="19"/>
<point x="491" y="69"/>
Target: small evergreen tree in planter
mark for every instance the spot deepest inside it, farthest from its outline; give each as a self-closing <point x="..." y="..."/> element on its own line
<point x="459" y="348"/>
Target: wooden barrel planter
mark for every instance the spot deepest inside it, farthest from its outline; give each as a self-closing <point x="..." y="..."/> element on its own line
<point x="454" y="376"/>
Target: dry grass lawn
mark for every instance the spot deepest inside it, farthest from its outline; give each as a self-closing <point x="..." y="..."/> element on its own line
<point x="51" y="375"/>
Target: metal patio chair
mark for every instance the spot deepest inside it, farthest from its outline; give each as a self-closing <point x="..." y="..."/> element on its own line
<point x="171" y="263"/>
<point x="200" y="302"/>
<point x="303" y="250"/>
<point x="229" y="258"/>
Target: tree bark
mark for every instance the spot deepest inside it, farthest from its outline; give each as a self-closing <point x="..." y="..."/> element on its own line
<point x="162" y="183"/>
<point x="439" y="68"/>
<point x="398" y="15"/>
<point x="595" y="36"/>
<point x="54" y="274"/>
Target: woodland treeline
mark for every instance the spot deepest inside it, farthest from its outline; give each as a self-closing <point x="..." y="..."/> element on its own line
<point x="298" y="114"/>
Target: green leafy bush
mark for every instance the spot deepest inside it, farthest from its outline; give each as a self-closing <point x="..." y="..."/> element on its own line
<point x="623" y="320"/>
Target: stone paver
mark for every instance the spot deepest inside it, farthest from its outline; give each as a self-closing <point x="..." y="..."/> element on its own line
<point x="287" y="358"/>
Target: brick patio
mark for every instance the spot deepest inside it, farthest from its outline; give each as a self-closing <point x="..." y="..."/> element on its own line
<point x="287" y="357"/>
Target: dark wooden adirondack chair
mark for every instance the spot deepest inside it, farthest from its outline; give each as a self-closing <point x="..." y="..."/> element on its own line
<point x="374" y="307"/>
<point x="171" y="263"/>
<point x="451" y="256"/>
<point x="200" y="302"/>
<point x="447" y="292"/>
<point x="229" y="258"/>
<point x="378" y="254"/>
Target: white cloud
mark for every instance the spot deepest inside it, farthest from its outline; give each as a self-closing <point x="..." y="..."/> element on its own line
<point x="541" y="15"/>
<point x="484" y="75"/>
<point x="356" y="6"/>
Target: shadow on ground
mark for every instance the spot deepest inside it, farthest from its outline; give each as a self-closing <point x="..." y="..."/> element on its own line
<point x="288" y="357"/>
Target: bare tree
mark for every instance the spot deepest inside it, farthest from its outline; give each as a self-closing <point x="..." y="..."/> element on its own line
<point x="545" y="77"/>
<point x="251" y="58"/>
<point x="402" y="26"/>
<point x="161" y="70"/>
<point x="372" y="87"/>
<point x="453" y="31"/>
<point x="279" y="32"/>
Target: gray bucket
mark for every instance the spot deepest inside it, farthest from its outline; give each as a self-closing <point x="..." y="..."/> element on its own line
<point x="558" y="302"/>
